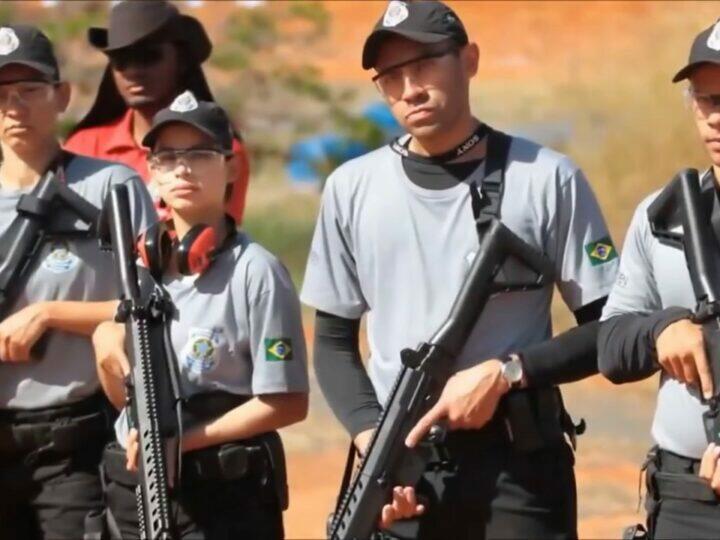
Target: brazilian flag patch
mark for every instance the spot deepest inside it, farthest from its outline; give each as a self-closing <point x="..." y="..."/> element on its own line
<point x="601" y="251"/>
<point x="278" y="349"/>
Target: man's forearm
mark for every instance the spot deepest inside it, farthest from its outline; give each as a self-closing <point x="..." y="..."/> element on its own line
<point x="569" y="356"/>
<point x="79" y="317"/>
<point x="626" y="343"/>
<point x="341" y="374"/>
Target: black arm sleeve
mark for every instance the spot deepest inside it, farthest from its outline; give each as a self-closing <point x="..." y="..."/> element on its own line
<point x="341" y="374"/>
<point x="568" y="357"/>
<point x="626" y="344"/>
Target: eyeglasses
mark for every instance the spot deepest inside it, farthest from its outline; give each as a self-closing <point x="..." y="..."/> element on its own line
<point x="142" y="56"/>
<point x="195" y="159"/>
<point x="706" y="103"/>
<point x="421" y="69"/>
<point x="27" y="92"/>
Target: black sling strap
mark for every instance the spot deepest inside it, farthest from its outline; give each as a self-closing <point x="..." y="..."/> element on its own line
<point x="486" y="203"/>
<point x="487" y="200"/>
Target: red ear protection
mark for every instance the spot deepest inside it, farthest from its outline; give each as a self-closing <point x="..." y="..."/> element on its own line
<point x="155" y="248"/>
<point x="195" y="251"/>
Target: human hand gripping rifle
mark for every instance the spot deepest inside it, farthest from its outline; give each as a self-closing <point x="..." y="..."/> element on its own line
<point x="23" y="240"/>
<point x="504" y="262"/>
<point x="153" y="390"/>
<point x="682" y="202"/>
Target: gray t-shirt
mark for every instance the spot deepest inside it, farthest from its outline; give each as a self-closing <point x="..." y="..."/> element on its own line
<point x="654" y="276"/>
<point x="398" y="252"/>
<point x="68" y="269"/>
<point x="237" y="327"/>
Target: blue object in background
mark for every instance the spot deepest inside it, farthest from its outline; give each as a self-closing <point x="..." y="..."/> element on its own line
<point x="380" y="115"/>
<point x="312" y="158"/>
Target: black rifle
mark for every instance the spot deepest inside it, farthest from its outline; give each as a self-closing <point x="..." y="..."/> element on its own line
<point x="504" y="262"/>
<point x="153" y="390"/>
<point x="28" y="231"/>
<point x="683" y="203"/>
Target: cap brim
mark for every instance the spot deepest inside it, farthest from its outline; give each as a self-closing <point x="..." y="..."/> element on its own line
<point x="685" y="72"/>
<point x="373" y="42"/>
<point x="47" y="71"/>
<point x="151" y="136"/>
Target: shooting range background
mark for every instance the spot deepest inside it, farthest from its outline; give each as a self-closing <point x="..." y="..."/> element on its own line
<point x="589" y="79"/>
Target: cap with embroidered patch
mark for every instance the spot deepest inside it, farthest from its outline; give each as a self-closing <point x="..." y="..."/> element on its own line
<point x="205" y="116"/>
<point x="705" y="50"/>
<point x="28" y="46"/>
<point x="423" y="21"/>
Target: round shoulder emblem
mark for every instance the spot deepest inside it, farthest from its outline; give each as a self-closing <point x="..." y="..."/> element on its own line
<point x="60" y="259"/>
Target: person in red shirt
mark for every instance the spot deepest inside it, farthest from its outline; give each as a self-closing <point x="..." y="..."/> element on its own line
<point x="155" y="54"/>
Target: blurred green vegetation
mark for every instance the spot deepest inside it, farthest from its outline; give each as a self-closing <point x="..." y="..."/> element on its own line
<point x="630" y="130"/>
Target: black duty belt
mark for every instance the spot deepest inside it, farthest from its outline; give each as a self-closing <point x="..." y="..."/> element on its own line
<point x="231" y="461"/>
<point x="671" y="476"/>
<point x="58" y="429"/>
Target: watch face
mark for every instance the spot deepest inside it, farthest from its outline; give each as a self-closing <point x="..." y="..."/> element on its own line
<point x="513" y="371"/>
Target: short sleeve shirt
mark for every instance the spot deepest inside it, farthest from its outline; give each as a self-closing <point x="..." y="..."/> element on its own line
<point x="652" y="276"/>
<point x="237" y="327"/>
<point x="72" y="269"/>
<point x="398" y="252"/>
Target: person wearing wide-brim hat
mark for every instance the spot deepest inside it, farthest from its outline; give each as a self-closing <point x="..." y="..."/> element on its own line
<point x="155" y="53"/>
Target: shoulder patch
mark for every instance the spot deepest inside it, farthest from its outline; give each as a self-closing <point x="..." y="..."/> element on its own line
<point x="278" y="349"/>
<point x="601" y="251"/>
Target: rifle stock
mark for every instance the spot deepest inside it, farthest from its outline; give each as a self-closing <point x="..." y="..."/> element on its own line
<point x="388" y="462"/>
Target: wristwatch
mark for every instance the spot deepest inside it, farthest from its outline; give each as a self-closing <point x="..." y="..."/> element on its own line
<point x="512" y="370"/>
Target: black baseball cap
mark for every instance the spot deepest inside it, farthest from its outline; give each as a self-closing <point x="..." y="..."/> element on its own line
<point x="28" y="46"/>
<point x="424" y="21"/>
<point x="204" y="116"/>
<point x="705" y="50"/>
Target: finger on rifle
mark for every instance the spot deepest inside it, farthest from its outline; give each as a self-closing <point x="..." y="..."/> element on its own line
<point x="131" y="452"/>
<point x="404" y="501"/>
<point x="703" y="369"/>
<point x="690" y="371"/>
<point x="387" y="517"/>
<point x="707" y="463"/>
<point x="673" y="368"/>
<point x="424" y="424"/>
<point x="715" y="480"/>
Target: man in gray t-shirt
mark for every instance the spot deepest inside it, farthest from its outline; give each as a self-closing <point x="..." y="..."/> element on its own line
<point x="394" y="241"/>
<point x="53" y="419"/>
<point x="646" y="328"/>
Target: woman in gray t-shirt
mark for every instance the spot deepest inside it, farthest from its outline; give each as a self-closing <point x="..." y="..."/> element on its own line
<point x="236" y="333"/>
